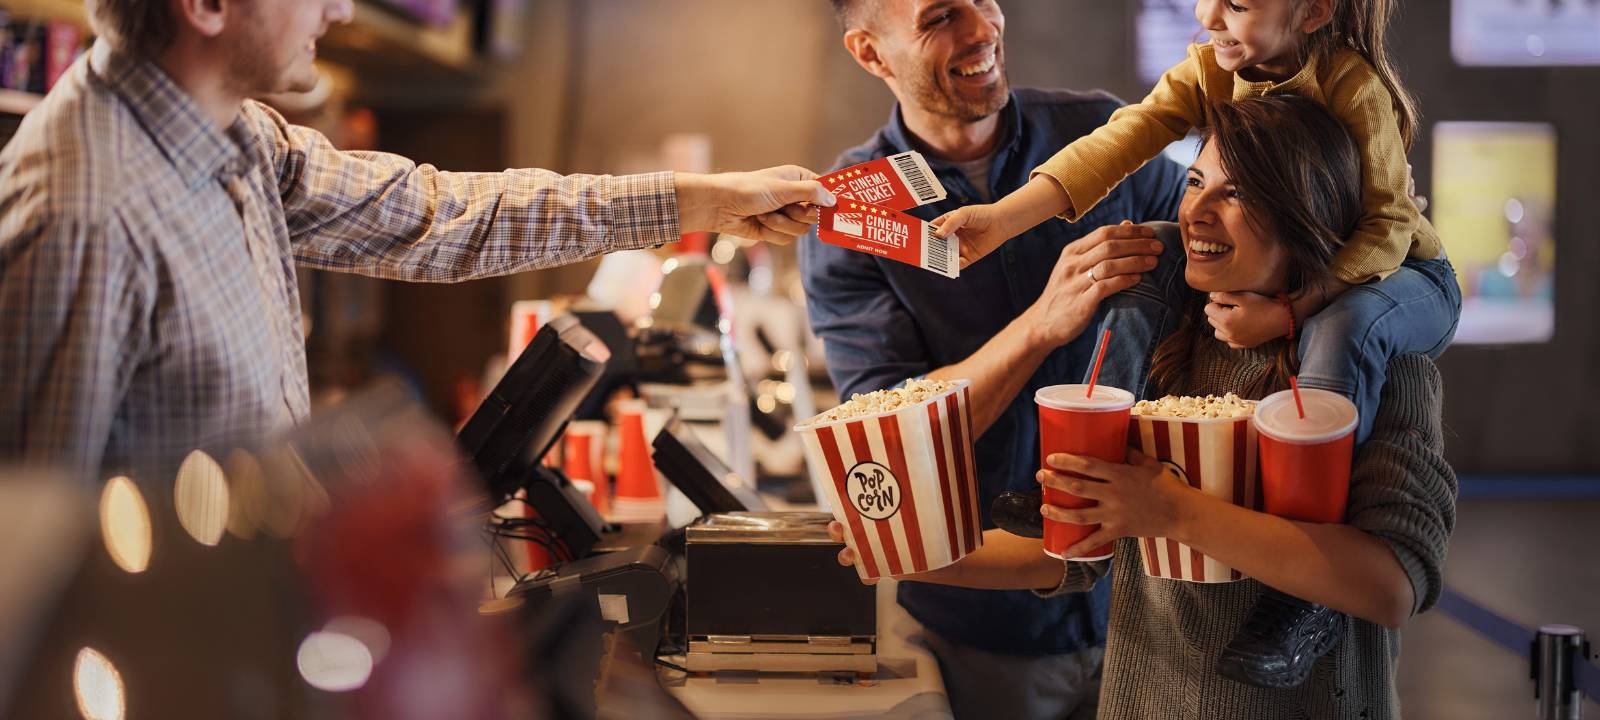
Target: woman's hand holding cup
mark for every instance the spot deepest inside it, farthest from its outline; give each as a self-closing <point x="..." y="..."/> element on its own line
<point x="1142" y="498"/>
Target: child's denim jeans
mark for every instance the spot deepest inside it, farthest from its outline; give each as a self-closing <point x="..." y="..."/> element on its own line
<point x="1346" y="348"/>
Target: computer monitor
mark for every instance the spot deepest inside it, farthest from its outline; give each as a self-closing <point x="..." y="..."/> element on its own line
<point x="698" y="473"/>
<point x="622" y="370"/>
<point x="524" y="415"/>
<point x="518" y="423"/>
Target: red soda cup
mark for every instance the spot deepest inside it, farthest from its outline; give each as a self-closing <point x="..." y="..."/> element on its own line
<point x="1075" y="422"/>
<point x="1305" y="462"/>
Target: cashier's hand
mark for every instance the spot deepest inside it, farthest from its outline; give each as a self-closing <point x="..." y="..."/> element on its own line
<point x="1091" y="269"/>
<point x="847" y="556"/>
<point x="776" y="204"/>
<point x="1142" y="498"/>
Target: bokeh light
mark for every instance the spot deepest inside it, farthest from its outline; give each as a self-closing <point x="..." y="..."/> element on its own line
<point x="334" y="662"/>
<point x="125" y="525"/>
<point x="98" y="687"/>
<point x="200" y="495"/>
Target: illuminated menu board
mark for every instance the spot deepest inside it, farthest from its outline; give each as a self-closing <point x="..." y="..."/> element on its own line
<point x="1494" y="202"/>
<point x="1165" y="29"/>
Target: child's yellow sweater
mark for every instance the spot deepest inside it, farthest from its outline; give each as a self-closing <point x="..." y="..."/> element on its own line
<point x="1390" y="229"/>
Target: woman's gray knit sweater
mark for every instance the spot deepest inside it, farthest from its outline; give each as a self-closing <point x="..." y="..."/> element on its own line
<point x="1165" y="635"/>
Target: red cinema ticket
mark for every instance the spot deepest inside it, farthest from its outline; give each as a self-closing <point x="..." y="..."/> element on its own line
<point x="897" y="182"/>
<point x="868" y="228"/>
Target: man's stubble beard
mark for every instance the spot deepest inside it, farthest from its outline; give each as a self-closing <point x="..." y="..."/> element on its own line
<point x="941" y="99"/>
<point x="253" y="67"/>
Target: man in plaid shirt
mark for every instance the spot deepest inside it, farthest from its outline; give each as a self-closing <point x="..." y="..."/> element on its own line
<point x="151" y="217"/>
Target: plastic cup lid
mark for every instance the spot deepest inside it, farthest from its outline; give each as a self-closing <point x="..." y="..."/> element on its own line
<point x="1329" y="416"/>
<point x="1072" y="397"/>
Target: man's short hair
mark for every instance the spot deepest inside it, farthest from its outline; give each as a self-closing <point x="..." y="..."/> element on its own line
<point x="848" y="13"/>
<point x="141" y="27"/>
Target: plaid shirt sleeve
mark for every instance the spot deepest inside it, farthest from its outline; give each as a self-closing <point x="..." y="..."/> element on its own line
<point x="383" y="215"/>
<point x="74" y="303"/>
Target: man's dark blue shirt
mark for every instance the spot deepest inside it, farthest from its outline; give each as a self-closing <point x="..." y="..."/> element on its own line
<point x="882" y="322"/>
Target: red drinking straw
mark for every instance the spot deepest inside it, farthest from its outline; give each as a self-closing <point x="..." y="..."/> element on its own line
<point x="1095" y="376"/>
<point x="1295" y="386"/>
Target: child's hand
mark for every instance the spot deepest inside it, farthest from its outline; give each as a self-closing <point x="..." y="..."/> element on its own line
<point x="979" y="231"/>
<point x="1246" y="319"/>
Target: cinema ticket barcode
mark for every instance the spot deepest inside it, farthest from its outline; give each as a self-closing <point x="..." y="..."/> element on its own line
<point x="936" y="254"/>
<point x="916" y="174"/>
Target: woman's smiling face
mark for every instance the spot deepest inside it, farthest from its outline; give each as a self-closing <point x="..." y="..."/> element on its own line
<point x="1227" y="251"/>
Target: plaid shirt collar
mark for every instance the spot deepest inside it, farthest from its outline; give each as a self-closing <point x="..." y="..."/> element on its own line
<point x="195" y="146"/>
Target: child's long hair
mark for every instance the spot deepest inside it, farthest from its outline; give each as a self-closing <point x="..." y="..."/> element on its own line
<point x="1362" y="26"/>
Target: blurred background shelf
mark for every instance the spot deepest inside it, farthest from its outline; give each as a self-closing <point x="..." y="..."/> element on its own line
<point x="377" y="40"/>
<point x="13" y="102"/>
<point x="381" y="41"/>
<point x="68" y="10"/>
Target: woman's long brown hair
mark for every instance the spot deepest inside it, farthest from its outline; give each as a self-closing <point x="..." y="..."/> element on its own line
<point x="1363" y="26"/>
<point x="1298" y="172"/>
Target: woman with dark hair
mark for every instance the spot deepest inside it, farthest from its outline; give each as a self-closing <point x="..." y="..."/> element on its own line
<point x="1275" y="189"/>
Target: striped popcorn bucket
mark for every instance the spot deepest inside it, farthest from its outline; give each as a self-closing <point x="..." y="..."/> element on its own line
<point x="902" y="483"/>
<point x="1214" y="455"/>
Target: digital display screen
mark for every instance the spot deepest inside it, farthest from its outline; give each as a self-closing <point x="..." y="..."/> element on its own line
<point x="1494" y="202"/>
<point x="1166" y="29"/>
<point x="1525" y="32"/>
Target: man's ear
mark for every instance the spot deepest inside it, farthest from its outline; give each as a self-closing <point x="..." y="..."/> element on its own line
<point x="1316" y="14"/>
<point x="864" y="48"/>
<point x="205" y="16"/>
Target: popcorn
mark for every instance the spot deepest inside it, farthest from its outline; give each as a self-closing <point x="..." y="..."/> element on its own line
<point x="881" y="402"/>
<point x="1188" y="406"/>
<point x="1210" y="443"/>
<point x="896" y="468"/>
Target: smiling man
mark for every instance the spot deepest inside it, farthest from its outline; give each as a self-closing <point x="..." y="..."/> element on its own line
<point x="151" y="218"/>
<point x="1005" y="324"/>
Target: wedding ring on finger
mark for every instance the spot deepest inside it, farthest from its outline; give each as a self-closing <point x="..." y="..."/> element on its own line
<point x="1090" y="273"/>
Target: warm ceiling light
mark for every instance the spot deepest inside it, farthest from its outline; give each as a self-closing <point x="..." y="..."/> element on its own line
<point x="201" y="497"/>
<point x="98" y="687"/>
<point x="125" y="524"/>
<point x="334" y="662"/>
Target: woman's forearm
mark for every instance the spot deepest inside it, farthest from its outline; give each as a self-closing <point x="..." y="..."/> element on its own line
<point x="1005" y="562"/>
<point x="999" y="370"/>
<point x="1335" y="565"/>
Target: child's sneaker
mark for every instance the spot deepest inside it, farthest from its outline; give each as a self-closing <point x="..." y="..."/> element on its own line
<point x="1281" y="640"/>
<point x="1017" y="512"/>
